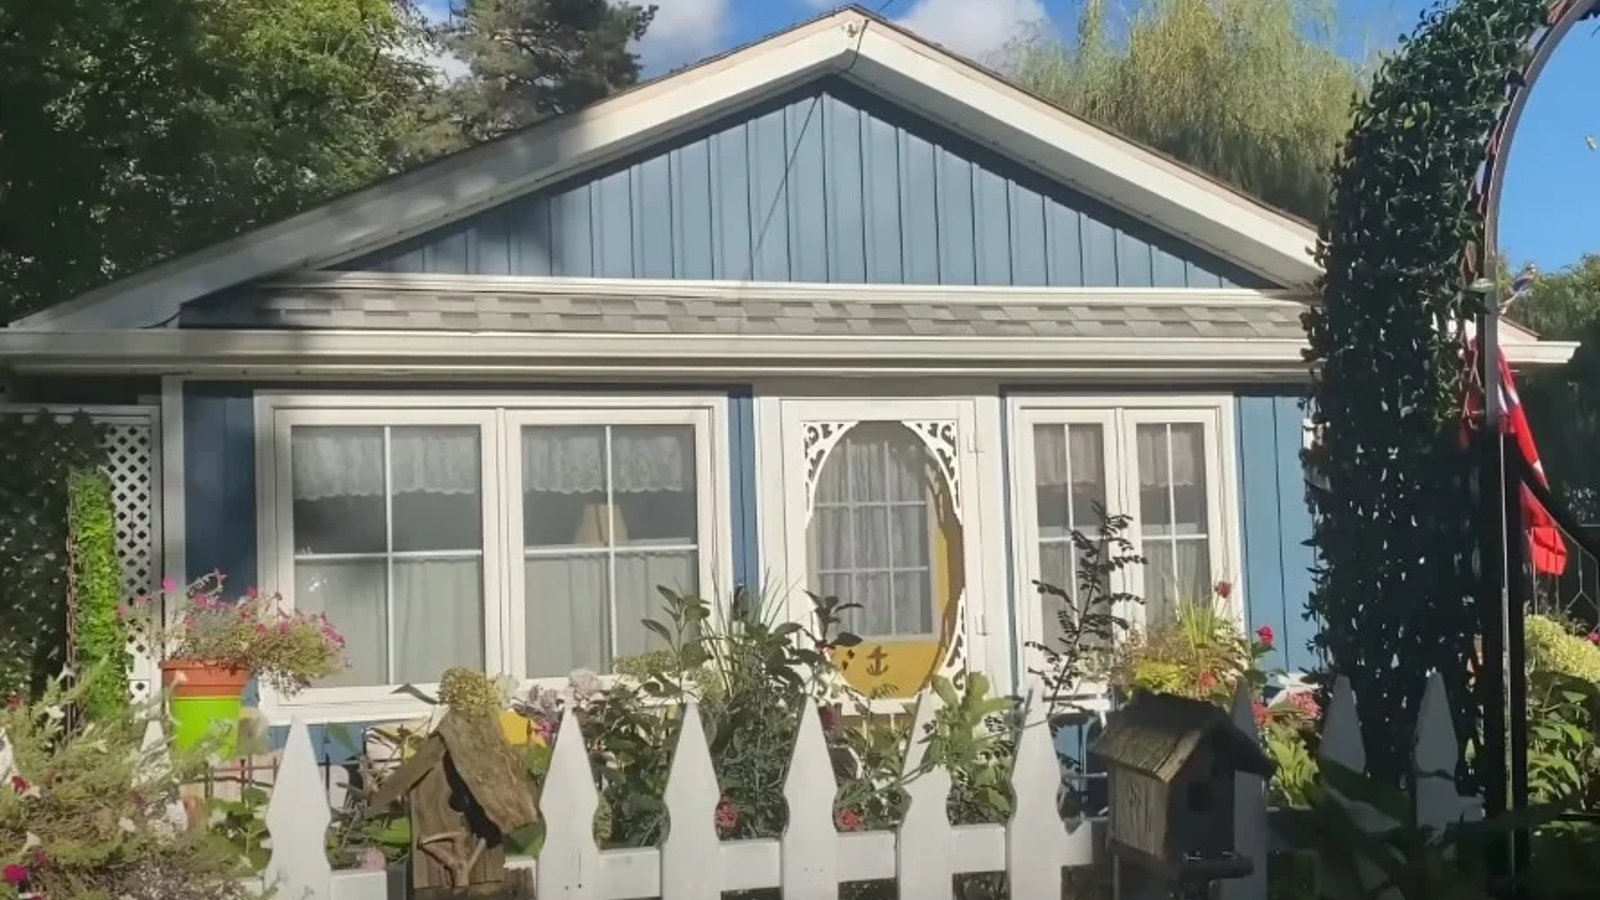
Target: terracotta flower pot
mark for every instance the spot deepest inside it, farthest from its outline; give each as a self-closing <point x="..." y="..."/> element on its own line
<point x="206" y="700"/>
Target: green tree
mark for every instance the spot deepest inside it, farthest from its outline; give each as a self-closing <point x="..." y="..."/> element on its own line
<point x="1562" y="304"/>
<point x="1252" y="92"/>
<point x="131" y="130"/>
<point x="530" y="59"/>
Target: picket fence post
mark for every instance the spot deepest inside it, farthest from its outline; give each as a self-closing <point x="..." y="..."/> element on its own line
<point x="809" y="852"/>
<point x="691" y="860"/>
<point x="1249" y="809"/>
<point x="1439" y="802"/>
<point x="298" y="819"/>
<point x="1038" y="843"/>
<point x="569" y="863"/>
<point x="924" y="841"/>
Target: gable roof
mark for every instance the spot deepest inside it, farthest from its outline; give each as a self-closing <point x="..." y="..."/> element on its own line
<point x="851" y="43"/>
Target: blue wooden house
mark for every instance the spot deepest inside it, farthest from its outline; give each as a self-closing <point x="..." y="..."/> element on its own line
<point x="839" y="312"/>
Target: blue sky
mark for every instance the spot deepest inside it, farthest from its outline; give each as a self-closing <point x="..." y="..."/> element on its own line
<point x="1553" y="177"/>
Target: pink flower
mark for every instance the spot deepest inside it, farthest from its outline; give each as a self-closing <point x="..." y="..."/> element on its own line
<point x="1224" y="589"/>
<point x="1265" y="635"/>
<point x="169" y="585"/>
<point x="727" y="816"/>
<point x="15" y="875"/>
<point x="252" y="593"/>
<point x="1594" y="637"/>
<point x="1208" y="681"/>
<point x="1305" y="703"/>
<point x="1262" y="714"/>
<point x="848" y="820"/>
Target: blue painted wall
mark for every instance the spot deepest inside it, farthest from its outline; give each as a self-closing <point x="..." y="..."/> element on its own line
<point x="827" y="184"/>
<point x="219" y="475"/>
<point x="1277" y="525"/>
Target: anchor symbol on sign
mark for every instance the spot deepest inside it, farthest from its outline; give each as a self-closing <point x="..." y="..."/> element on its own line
<point x="877" y="665"/>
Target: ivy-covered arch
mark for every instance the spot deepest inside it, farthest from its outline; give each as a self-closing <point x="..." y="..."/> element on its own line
<point x="1409" y="230"/>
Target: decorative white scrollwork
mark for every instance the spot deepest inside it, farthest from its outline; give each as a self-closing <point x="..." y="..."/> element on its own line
<point x="819" y="440"/>
<point x="940" y="436"/>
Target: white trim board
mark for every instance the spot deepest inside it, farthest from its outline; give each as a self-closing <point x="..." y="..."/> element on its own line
<point x="890" y="62"/>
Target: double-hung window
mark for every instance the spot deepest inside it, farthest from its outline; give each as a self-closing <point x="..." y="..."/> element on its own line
<point x="527" y="538"/>
<point x="1163" y="463"/>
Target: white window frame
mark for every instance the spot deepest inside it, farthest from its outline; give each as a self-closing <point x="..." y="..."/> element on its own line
<point x="1120" y="416"/>
<point x="499" y="417"/>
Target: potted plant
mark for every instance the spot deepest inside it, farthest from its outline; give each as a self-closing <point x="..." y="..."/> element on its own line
<point x="211" y="647"/>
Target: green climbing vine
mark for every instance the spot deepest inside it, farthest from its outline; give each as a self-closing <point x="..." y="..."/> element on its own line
<point x="37" y="455"/>
<point x="1391" y="487"/>
<point x="97" y="583"/>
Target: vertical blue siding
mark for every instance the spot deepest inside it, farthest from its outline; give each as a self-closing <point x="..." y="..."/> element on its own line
<point x="219" y="482"/>
<point x="1277" y="526"/>
<point x="828" y="184"/>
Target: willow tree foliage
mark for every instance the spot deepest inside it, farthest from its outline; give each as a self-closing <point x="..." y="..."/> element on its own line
<point x="1395" y="514"/>
<point x="1252" y="92"/>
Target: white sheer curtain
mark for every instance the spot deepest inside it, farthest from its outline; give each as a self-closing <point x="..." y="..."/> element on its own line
<point x="1174" y="517"/>
<point x="1069" y="482"/>
<point x="599" y="541"/>
<point x="408" y="592"/>
<point x="871" y="530"/>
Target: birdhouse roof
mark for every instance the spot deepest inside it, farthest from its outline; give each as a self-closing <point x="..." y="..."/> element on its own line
<point x="1158" y="734"/>
<point x="475" y="747"/>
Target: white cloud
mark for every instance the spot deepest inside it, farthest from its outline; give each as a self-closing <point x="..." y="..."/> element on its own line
<point x="684" y="31"/>
<point x="975" y="28"/>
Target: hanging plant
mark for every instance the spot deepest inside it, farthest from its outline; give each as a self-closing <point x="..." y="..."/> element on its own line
<point x="102" y="634"/>
<point x="1392" y="494"/>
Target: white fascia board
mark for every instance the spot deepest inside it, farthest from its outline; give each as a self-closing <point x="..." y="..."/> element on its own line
<point x="463" y="183"/>
<point x="901" y="68"/>
<point x="931" y="294"/>
<point x="1118" y="172"/>
<point x="176" y="351"/>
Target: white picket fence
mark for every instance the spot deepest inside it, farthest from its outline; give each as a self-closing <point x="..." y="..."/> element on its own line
<point x="813" y="858"/>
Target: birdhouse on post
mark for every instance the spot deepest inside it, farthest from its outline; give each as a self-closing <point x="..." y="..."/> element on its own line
<point x="465" y="795"/>
<point x="1171" y="764"/>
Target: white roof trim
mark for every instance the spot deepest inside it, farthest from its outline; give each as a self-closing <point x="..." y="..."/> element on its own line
<point x="786" y="290"/>
<point x="500" y="354"/>
<point x="901" y="68"/>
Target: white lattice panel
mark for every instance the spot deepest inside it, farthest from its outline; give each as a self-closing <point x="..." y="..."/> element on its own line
<point x="133" y="462"/>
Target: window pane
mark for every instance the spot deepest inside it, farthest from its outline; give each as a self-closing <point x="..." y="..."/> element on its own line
<point x="640" y="576"/>
<point x="1189" y="479"/>
<point x="1160" y="584"/>
<point x="909" y="530"/>
<point x="1177" y="572"/>
<point x="352" y="596"/>
<point x="435" y="475"/>
<point x="913" y="603"/>
<point x="906" y="473"/>
<point x="1069" y="477"/>
<point x="564" y="487"/>
<point x="872" y="537"/>
<point x="438" y="617"/>
<point x="1055" y="569"/>
<point x="1086" y="445"/>
<point x="566" y="620"/>
<point x="337" y="485"/>
<point x="653" y="483"/>
<point x="1155" y="478"/>
<point x="872" y="592"/>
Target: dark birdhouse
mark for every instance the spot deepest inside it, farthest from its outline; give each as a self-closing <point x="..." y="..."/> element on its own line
<point x="466" y="794"/>
<point x="1171" y="764"/>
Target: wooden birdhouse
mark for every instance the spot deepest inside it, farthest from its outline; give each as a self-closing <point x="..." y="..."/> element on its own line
<point x="466" y="794"/>
<point x="1171" y="764"/>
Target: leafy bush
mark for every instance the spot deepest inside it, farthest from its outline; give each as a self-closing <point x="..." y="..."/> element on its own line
<point x="288" y="650"/>
<point x="1563" y="697"/>
<point x="1200" y="654"/>
<point x="88" y="813"/>
<point x="96" y="583"/>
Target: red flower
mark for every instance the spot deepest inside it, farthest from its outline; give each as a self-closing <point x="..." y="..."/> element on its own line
<point x="15" y="875"/>
<point x="1224" y="589"/>
<point x="1265" y="635"/>
<point x="19" y="784"/>
<point x="1208" y="680"/>
<point x="727" y="816"/>
<point x="849" y="820"/>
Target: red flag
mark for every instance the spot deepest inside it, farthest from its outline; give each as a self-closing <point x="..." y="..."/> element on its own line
<point x="1549" y="549"/>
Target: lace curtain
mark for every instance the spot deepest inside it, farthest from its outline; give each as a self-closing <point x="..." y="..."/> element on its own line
<point x="1186" y="465"/>
<point x="565" y="460"/>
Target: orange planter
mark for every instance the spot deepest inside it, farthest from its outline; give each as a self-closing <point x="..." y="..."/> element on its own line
<point x="189" y="678"/>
